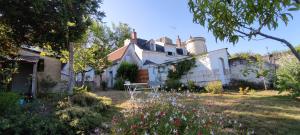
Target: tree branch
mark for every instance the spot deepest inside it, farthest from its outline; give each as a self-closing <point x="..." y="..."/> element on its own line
<point x="288" y="44"/>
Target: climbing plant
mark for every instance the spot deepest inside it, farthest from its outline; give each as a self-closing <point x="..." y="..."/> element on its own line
<point x="181" y="68"/>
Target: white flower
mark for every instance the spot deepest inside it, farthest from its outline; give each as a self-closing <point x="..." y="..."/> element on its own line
<point x="211" y="132"/>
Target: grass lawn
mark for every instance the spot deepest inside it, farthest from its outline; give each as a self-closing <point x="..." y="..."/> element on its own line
<point x="265" y="111"/>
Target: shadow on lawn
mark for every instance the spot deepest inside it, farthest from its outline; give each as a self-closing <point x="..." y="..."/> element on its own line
<point x="267" y="114"/>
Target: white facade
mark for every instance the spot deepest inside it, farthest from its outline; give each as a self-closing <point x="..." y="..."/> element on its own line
<point x="155" y="56"/>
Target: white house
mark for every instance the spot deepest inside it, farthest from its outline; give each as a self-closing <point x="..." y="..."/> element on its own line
<point x="157" y="56"/>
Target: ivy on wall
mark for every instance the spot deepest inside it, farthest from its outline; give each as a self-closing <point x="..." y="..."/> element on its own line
<point x="181" y="68"/>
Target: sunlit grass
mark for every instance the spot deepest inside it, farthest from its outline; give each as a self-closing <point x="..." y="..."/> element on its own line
<point x="266" y="111"/>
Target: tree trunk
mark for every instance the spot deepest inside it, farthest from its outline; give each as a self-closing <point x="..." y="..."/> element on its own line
<point x="100" y="81"/>
<point x="71" y="82"/>
<point x="288" y="44"/>
<point x="265" y="85"/>
<point x="82" y="78"/>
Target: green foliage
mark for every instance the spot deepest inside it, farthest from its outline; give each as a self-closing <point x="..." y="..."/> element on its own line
<point x="288" y="77"/>
<point x="231" y="20"/>
<point x="127" y="71"/>
<point x="173" y="84"/>
<point x="83" y="112"/>
<point x="81" y="89"/>
<point x="181" y="68"/>
<point x="7" y="70"/>
<point x="214" y="87"/>
<point x="87" y="99"/>
<point x="191" y="85"/>
<point x="244" y="91"/>
<point x="9" y="102"/>
<point x="118" y="34"/>
<point x="239" y="15"/>
<point x="81" y="120"/>
<point x="119" y="84"/>
<point x="7" y="43"/>
<point x="48" y="22"/>
<point x="47" y="83"/>
<point x="28" y="123"/>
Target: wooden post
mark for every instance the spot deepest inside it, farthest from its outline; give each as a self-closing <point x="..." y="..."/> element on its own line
<point x="34" y="80"/>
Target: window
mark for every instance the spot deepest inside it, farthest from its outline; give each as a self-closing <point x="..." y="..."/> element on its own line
<point x="40" y="67"/>
<point x="170" y="53"/>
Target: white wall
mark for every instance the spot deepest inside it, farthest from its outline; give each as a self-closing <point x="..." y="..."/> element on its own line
<point x="208" y="68"/>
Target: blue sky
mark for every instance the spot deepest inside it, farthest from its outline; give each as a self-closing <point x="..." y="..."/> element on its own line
<point x="156" y="18"/>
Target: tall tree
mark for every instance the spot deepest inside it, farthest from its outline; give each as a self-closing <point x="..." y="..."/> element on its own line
<point x="118" y="34"/>
<point x="234" y="19"/>
<point x="54" y="22"/>
<point x="100" y="49"/>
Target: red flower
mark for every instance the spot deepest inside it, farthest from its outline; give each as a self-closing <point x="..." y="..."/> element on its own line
<point x="133" y="126"/>
<point x="177" y="122"/>
<point x="199" y="133"/>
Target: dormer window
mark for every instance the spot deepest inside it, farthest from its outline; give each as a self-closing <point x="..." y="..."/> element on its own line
<point x="170" y="53"/>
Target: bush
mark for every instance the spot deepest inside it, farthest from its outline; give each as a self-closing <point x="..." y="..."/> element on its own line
<point x="83" y="112"/>
<point x="244" y="91"/>
<point x="191" y="85"/>
<point x="119" y="84"/>
<point x="8" y="102"/>
<point x="173" y="84"/>
<point x="127" y="71"/>
<point x="81" y="119"/>
<point x="214" y="87"/>
<point x="288" y="77"/>
<point x="80" y="89"/>
<point x="87" y="99"/>
<point x="29" y="123"/>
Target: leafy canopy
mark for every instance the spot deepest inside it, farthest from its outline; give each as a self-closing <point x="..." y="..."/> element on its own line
<point x="54" y="22"/>
<point x="231" y="20"/>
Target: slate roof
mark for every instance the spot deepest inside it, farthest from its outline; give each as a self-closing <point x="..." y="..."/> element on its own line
<point x="145" y="45"/>
<point x="32" y="59"/>
<point x="148" y="62"/>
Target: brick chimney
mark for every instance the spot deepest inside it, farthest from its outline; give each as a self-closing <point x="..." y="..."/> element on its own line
<point x="133" y="36"/>
<point x="178" y="41"/>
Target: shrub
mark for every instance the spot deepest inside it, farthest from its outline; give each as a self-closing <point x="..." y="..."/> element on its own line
<point x="8" y="102"/>
<point x="80" y="89"/>
<point x="29" y="123"/>
<point x="173" y="84"/>
<point x="82" y="112"/>
<point x="127" y="71"/>
<point x="119" y="84"/>
<point x="191" y="85"/>
<point x="214" y="87"/>
<point x="244" y="91"/>
<point x="81" y="119"/>
<point x="288" y="77"/>
<point x="87" y="99"/>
